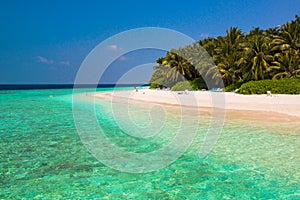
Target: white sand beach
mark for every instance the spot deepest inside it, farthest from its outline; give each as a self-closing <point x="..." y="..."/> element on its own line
<point x="282" y="104"/>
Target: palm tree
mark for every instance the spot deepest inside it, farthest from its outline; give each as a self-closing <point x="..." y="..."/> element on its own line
<point x="228" y="55"/>
<point x="209" y="44"/>
<point x="255" y="31"/>
<point x="286" y="48"/>
<point x="258" y="58"/>
<point x="203" y="63"/>
<point x="259" y="54"/>
<point x="180" y="68"/>
<point x="289" y="36"/>
<point x="272" y="32"/>
<point x="288" y="64"/>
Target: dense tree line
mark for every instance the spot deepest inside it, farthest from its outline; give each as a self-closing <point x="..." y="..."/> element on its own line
<point x="235" y="58"/>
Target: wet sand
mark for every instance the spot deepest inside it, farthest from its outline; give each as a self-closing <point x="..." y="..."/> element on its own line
<point x="283" y="108"/>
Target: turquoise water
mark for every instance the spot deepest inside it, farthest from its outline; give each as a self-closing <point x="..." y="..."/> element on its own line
<point x="42" y="156"/>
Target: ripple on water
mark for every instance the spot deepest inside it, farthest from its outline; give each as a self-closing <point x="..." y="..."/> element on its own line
<point x="42" y="156"/>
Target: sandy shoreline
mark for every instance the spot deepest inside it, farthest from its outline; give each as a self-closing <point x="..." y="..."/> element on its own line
<point x="281" y="104"/>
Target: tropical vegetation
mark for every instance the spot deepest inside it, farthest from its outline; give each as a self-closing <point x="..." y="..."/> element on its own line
<point x="182" y="85"/>
<point x="281" y="86"/>
<point x="234" y="59"/>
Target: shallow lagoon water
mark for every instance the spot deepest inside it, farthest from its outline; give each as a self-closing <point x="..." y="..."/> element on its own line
<point x="43" y="157"/>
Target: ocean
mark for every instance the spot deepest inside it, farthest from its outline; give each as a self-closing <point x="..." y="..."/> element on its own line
<point x="44" y="155"/>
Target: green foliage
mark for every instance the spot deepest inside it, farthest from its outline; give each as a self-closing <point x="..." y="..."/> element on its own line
<point x="198" y="83"/>
<point x="182" y="86"/>
<point x="233" y="87"/>
<point x="154" y="86"/>
<point x="234" y="58"/>
<point x="158" y="83"/>
<point x="281" y="86"/>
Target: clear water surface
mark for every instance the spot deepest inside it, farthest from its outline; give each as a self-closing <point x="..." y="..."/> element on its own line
<point x="42" y="156"/>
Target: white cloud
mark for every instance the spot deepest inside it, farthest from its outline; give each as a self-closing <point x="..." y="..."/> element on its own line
<point x="45" y="60"/>
<point x="64" y="62"/>
<point x="114" y="47"/>
<point x="122" y="58"/>
<point x="204" y="35"/>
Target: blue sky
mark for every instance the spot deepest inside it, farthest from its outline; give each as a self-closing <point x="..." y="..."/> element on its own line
<point x="46" y="41"/>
